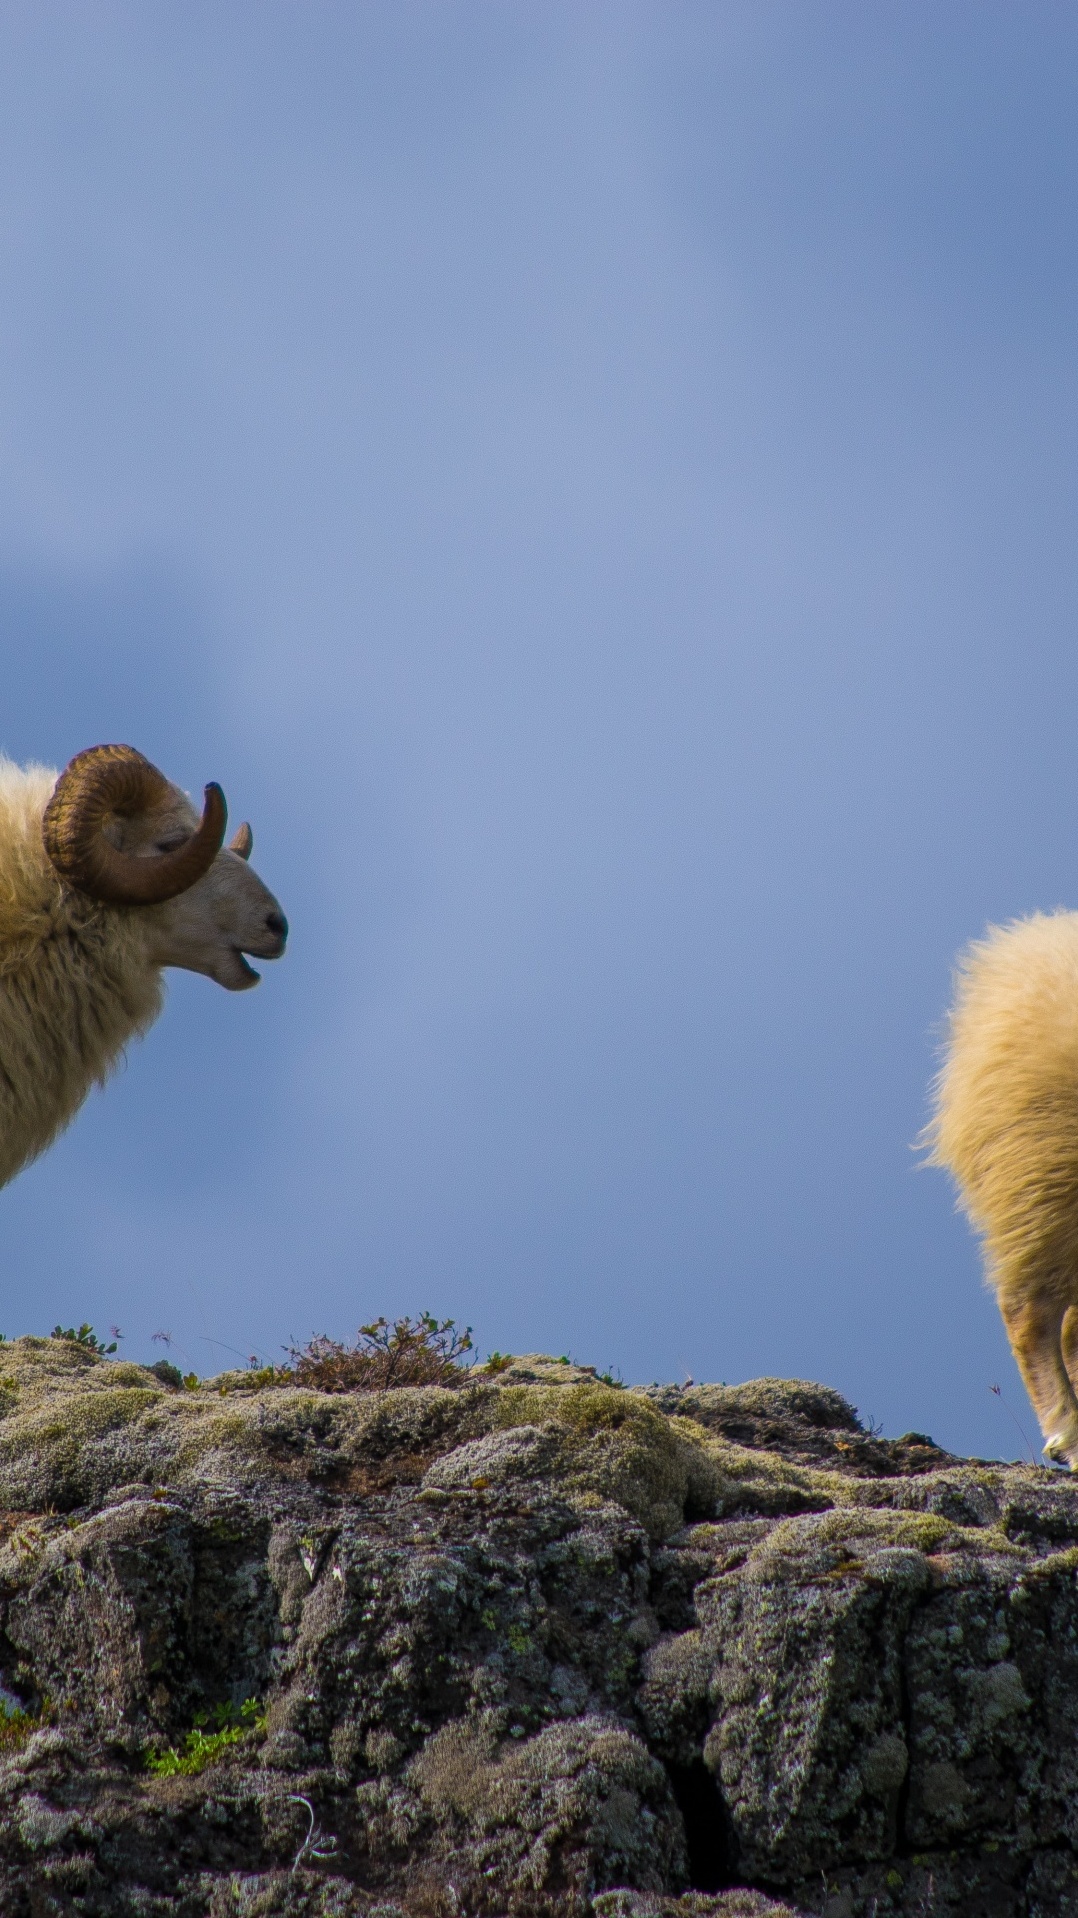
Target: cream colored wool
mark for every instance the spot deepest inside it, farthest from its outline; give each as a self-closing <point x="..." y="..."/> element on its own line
<point x="1006" y="1126"/>
<point x="75" y="980"/>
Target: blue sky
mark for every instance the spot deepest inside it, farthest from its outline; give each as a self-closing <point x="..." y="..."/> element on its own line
<point x="596" y="484"/>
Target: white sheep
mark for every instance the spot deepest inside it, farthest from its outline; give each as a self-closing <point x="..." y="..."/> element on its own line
<point x="1006" y="1126"/>
<point x="107" y="875"/>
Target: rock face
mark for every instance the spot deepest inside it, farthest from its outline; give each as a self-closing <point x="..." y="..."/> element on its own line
<point x="530" y="1645"/>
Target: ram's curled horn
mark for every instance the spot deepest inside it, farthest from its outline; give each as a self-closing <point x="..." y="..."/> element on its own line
<point x="242" y="841"/>
<point x="116" y="781"/>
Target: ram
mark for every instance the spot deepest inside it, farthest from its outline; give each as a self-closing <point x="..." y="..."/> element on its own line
<point x="1006" y="1127"/>
<point x="107" y="875"/>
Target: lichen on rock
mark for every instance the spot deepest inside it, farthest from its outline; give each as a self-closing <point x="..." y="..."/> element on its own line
<point x="527" y="1643"/>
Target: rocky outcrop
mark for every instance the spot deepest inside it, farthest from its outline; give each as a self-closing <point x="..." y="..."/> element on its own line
<point x="527" y="1644"/>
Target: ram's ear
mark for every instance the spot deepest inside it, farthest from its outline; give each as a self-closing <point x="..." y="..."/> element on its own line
<point x="242" y="841"/>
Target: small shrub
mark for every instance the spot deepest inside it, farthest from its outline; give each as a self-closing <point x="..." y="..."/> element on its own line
<point x="168" y="1373"/>
<point x="422" y="1351"/>
<point x="86" y="1337"/>
<point x="498" y="1362"/>
<point x="201" y="1747"/>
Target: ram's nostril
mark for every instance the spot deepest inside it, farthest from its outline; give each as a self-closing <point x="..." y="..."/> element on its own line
<point x="277" y="924"/>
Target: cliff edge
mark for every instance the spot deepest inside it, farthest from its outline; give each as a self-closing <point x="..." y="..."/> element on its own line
<point x="527" y="1643"/>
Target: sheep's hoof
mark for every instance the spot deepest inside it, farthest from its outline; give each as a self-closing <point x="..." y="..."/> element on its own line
<point x="1059" y="1450"/>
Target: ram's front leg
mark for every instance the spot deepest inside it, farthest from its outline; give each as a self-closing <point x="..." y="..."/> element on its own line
<point x="1070" y="1344"/>
<point x="1035" y="1329"/>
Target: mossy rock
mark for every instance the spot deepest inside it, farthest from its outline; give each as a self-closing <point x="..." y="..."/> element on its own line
<point x="615" y="1445"/>
<point x="77" y="1427"/>
<point x="492" y="1624"/>
<point x="775" y="1399"/>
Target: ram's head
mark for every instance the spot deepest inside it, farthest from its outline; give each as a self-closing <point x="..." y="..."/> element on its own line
<point x="120" y="832"/>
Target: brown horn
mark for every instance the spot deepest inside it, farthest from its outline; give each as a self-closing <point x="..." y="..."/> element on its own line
<point x="242" y="841"/>
<point x="116" y="781"/>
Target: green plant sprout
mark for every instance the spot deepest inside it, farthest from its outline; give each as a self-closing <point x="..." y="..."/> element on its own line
<point x="86" y="1337"/>
<point x="17" y="1724"/>
<point x="200" y="1747"/>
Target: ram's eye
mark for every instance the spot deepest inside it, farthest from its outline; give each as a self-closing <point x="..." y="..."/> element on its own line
<point x="170" y="844"/>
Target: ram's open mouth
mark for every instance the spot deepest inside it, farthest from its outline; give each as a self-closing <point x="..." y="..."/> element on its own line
<point x="248" y="971"/>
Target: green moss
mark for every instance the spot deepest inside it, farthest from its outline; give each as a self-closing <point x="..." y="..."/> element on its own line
<point x="45" y="1447"/>
<point x="63" y="1429"/>
<point x="760" y="1483"/>
<point x="620" y="1446"/>
<point x="840" y="1542"/>
<point x="919" y="1531"/>
<point x="120" y="1373"/>
<point x="584" y="1407"/>
<point x="615" y="1446"/>
<point x="49" y="1358"/>
<point x="215" y="1431"/>
<point x="251" y="1379"/>
<point x="1062" y="1564"/>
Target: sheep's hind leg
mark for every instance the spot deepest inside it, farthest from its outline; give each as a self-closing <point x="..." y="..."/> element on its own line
<point x="1069" y="1341"/>
<point x="1035" y="1329"/>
